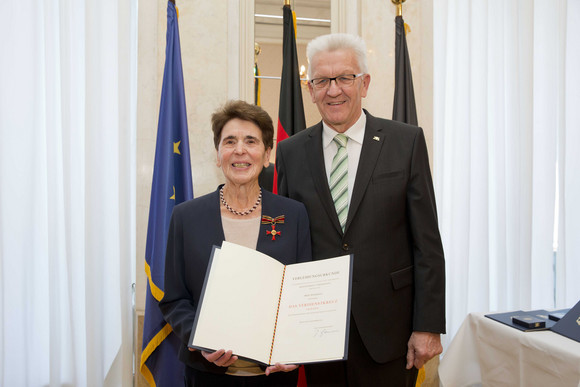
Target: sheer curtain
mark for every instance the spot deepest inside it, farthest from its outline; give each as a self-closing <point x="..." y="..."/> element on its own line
<point x="506" y="159"/>
<point x="67" y="192"/>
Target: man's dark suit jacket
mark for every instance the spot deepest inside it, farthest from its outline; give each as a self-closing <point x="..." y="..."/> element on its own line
<point x="195" y="228"/>
<point x="399" y="274"/>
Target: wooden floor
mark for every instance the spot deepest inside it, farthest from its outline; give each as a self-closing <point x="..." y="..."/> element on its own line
<point x="431" y="375"/>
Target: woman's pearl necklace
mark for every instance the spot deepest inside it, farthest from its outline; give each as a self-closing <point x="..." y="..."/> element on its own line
<point x="230" y="209"/>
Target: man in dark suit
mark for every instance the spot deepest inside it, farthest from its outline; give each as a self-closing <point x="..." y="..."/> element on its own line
<point x="369" y="193"/>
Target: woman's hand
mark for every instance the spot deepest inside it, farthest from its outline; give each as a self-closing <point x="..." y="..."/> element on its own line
<point x="221" y="358"/>
<point x="281" y="367"/>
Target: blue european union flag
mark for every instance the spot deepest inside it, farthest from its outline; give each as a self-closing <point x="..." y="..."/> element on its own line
<point x="171" y="185"/>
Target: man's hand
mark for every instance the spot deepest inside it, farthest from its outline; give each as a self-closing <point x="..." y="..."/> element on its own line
<point x="422" y="346"/>
<point x="280" y="367"/>
<point x="219" y="358"/>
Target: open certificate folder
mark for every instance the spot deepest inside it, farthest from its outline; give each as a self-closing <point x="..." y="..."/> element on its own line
<point x="268" y="312"/>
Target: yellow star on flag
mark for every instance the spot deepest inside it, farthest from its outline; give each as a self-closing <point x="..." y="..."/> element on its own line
<point x="173" y="197"/>
<point x="176" y="147"/>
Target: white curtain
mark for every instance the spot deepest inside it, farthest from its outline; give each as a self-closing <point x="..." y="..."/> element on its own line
<point x="506" y="153"/>
<point x="67" y="192"/>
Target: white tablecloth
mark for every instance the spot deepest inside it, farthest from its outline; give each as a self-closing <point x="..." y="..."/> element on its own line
<point x="486" y="352"/>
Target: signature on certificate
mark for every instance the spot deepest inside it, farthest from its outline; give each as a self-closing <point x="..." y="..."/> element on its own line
<point x="323" y="331"/>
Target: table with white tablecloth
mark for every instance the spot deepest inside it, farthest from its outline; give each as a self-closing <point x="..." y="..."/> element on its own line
<point x="485" y="352"/>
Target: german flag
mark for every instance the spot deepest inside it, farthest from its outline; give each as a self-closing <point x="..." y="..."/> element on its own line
<point x="404" y="109"/>
<point x="291" y="108"/>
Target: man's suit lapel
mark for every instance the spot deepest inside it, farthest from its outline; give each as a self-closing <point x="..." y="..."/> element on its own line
<point x="373" y="141"/>
<point x="317" y="169"/>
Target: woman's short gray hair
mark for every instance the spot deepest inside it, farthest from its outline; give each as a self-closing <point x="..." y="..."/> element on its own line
<point x="333" y="42"/>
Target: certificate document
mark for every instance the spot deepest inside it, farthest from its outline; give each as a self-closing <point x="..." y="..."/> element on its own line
<point x="268" y="312"/>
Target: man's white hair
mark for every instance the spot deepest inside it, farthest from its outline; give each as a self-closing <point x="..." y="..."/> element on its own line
<point x="333" y="42"/>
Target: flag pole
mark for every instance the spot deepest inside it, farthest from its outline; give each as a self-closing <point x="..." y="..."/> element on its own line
<point x="257" y="78"/>
<point x="399" y="4"/>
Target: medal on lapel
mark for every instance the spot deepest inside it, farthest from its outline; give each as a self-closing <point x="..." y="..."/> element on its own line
<point x="273" y="221"/>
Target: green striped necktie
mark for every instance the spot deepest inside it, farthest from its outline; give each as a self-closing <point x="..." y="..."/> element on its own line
<point x="339" y="179"/>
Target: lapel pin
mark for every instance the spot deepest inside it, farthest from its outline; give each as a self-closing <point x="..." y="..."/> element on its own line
<point x="376" y="138"/>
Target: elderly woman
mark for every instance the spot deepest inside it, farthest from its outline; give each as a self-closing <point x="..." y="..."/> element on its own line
<point x="243" y="136"/>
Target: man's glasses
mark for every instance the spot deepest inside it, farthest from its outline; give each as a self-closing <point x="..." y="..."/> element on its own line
<point x="344" y="80"/>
